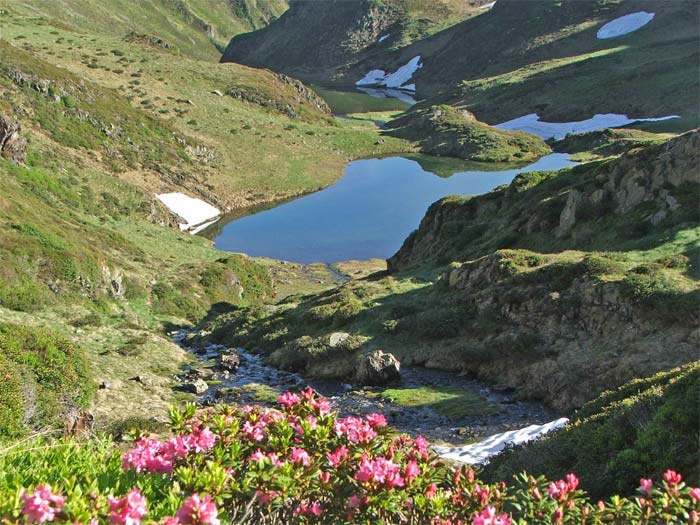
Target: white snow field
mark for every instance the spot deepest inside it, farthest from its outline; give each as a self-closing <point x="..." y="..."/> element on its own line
<point x="487" y="6"/>
<point x="625" y="25"/>
<point x="382" y="39"/>
<point x="379" y="77"/>
<point x="557" y="130"/>
<point x="194" y="212"/>
<point x="479" y="453"/>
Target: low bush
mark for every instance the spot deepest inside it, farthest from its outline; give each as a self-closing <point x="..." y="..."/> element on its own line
<point x="299" y="464"/>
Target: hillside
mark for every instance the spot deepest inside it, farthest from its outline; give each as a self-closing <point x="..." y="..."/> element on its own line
<point x="499" y="285"/>
<point x="317" y="41"/>
<point x="199" y="29"/>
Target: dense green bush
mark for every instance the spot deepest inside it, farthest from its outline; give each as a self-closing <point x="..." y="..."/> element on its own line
<point x="53" y="376"/>
<point x="637" y="430"/>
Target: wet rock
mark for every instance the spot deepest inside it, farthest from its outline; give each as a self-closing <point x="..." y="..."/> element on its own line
<point x="377" y="369"/>
<point x="198" y="386"/>
<point x="230" y="361"/>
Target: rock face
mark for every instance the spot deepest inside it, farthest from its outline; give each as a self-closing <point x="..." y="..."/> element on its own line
<point x="378" y="368"/>
<point x="229" y="361"/>
<point x="12" y="145"/>
<point x="198" y="386"/>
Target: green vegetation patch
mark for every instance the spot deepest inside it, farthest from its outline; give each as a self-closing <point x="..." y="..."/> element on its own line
<point x="450" y="401"/>
<point x="42" y="376"/>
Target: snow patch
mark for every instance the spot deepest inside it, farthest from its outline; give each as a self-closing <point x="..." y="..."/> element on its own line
<point x="376" y="76"/>
<point x="625" y="24"/>
<point x="487" y="6"/>
<point x="195" y="212"/>
<point x="379" y="77"/>
<point x="478" y="453"/>
<point x="382" y="39"/>
<point x="557" y="130"/>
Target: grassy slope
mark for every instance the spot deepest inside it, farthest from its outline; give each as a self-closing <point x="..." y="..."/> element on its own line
<point x="637" y="431"/>
<point x="197" y="28"/>
<point x="317" y="41"/>
<point x="543" y="57"/>
<point x="249" y="152"/>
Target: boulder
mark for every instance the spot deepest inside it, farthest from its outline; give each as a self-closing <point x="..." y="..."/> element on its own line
<point x="198" y="386"/>
<point x="378" y="368"/>
<point x="230" y="361"/>
<point x="337" y="338"/>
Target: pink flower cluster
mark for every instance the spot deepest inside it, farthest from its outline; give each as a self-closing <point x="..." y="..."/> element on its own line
<point x="42" y="505"/>
<point x="153" y="456"/>
<point x="315" y="509"/>
<point x="559" y="490"/>
<point x="488" y="516"/>
<point x="355" y="429"/>
<point x="379" y="472"/>
<point x="127" y="510"/>
<point x="197" y="510"/>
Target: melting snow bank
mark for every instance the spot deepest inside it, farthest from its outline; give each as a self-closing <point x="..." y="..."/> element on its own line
<point x="196" y="213"/>
<point x="557" y="130"/>
<point x="624" y="25"/>
<point x="379" y="77"/>
<point x="478" y="453"/>
<point x="487" y="6"/>
<point x="382" y="39"/>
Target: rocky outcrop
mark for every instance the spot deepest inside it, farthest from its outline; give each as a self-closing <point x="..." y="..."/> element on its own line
<point x="12" y="145"/>
<point x="622" y="198"/>
<point x="378" y="368"/>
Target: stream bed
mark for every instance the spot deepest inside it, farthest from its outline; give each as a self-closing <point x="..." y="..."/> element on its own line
<point x="242" y="386"/>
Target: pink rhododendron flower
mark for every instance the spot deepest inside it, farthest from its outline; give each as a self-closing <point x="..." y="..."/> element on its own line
<point x="421" y="445"/>
<point x="431" y="491"/>
<point x="376" y="420"/>
<point x="488" y="516"/>
<point x="265" y="497"/>
<point x="695" y="493"/>
<point x="672" y="477"/>
<point x="288" y="399"/>
<point x="356" y="430"/>
<point x="411" y="471"/>
<point x="127" y="510"/>
<point x="314" y="509"/>
<point x="202" y="440"/>
<point x="335" y="457"/>
<point x="254" y="432"/>
<point x="300" y="457"/>
<point x="198" y="510"/>
<point x="42" y="505"/>
<point x="645" y="486"/>
<point x="380" y="471"/>
<point x="149" y="455"/>
<point x="558" y="490"/>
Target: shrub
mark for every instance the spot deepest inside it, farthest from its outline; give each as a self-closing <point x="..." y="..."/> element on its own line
<point x="299" y="464"/>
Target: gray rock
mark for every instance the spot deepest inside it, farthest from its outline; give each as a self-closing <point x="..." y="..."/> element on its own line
<point x="198" y="386"/>
<point x="378" y="368"/>
<point x="337" y="338"/>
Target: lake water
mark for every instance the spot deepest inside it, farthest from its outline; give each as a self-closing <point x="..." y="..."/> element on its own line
<point x="368" y="213"/>
<point x="362" y="100"/>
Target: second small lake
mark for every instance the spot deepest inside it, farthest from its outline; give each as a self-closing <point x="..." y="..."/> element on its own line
<point x="366" y="214"/>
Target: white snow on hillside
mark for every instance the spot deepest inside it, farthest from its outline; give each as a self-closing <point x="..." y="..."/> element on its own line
<point x="487" y="6"/>
<point x="532" y="124"/>
<point x="193" y="211"/>
<point x="378" y="77"/>
<point x="480" y="452"/>
<point x="382" y="39"/>
<point x="625" y="24"/>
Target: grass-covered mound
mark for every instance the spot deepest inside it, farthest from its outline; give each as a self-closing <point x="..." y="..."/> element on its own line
<point x="42" y="377"/>
<point x="637" y="430"/>
<point x="606" y="142"/>
<point x="447" y="131"/>
<point x="297" y="464"/>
